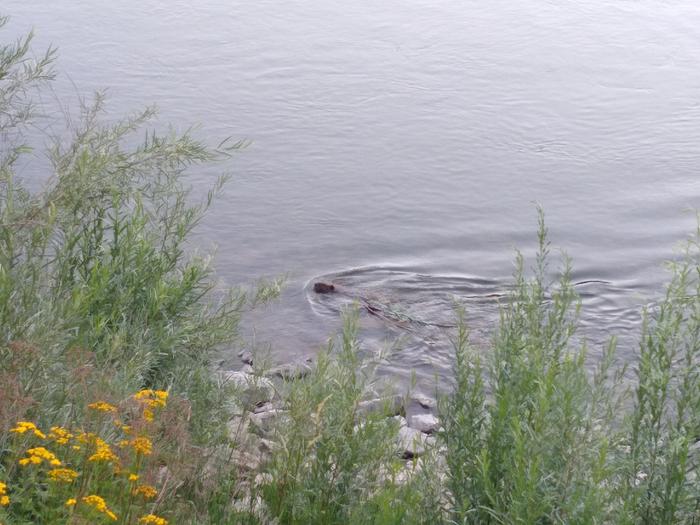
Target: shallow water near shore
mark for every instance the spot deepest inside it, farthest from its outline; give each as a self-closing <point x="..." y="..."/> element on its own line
<point x="398" y="148"/>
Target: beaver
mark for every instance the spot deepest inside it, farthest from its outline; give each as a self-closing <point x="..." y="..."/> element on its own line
<point x="374" y="306"/>
<point x="321" y="287"/>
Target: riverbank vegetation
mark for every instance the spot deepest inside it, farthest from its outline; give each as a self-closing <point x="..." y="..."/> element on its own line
<point x="111" y="410"/>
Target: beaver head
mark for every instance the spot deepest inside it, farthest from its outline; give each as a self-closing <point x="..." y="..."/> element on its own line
<point x="320" y="287"/>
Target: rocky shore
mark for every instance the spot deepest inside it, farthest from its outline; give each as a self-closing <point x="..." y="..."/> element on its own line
<point x="259" y="410"/>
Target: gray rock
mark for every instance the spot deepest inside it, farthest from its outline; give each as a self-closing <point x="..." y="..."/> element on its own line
<point x="386" y="406"/>
<point x="401" y="420"/>
<point x="266" y="407"/>
<point x="237" y="427"/>
<point x="409" y="469"/>
<point x="263" y="479"/>
<point x="253" y="390"/>
<point x="255" y="505"/>
<point x="267" y="446"/>
<point x="425" y="402"/>
<point x="291" y="371"/>
<point x="412" y="443"/>
<point x="246" y="461"/>
<point x="264" y="422"/>
<point x="426" y="423"/>
<point x="246" y="356"/>
<point x="218" y="460"/>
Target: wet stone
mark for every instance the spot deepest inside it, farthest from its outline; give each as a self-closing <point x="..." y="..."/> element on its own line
<point x="252" y="390"/>
<point x="412" y="442"/>
<point x="237" y="427"/>
<point x="267" y="446"/>
<point x="264" y="422"/>
<point x="246" y="357"/>
<point x="387" y="406"/>
<point x="427" y="403"/>
<point x="401" y="421"/>
<point x="291" y="371"/>
<point x="245" y="460"/>
<point x="426" y="423"/>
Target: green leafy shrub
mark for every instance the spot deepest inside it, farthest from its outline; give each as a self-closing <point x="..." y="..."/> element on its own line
<point x="532" y="437"/>
<point x="99" y="297"/>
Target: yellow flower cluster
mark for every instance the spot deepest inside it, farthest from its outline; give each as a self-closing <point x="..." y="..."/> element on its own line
<point x="37" y="455"/>
<point x="151" y="399"/>
<point x="60" y="435"/>
<point x="146" y="491"/>
<point x="4" y="498"/>
<point x="152" y="519"/>
<point x="96" y="450"/>
<point x="26" y="426"/>
<point x="103" y="452"/>
<point x="102" y="406"/>
<point x="100" y="505"/>
<point x="141" y="445"/>
<point x="65" y="475"/>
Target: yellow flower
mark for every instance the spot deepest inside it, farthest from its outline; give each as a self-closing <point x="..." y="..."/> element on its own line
<point x="60" y="435"/>
<point x="70" y="502"/>
<point x="26" y="426"/>
<point x="148" y="414"/>
<point x="152" y="398"/>
<point x="152" y="519"/>
<point x="4" y="498"/>
<point x="65" y="475"/>
<point x="160" y="395"/>
<point x="37" y="455"/>
<point x="142" y="445"/>
<point x="100" y="505"/>
<point x="133" y="477"/>
<point x="102" y="406"/>
<point x="103" y="452"/>
<point x="146" y="491"/>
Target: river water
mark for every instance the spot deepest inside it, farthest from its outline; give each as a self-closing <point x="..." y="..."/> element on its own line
<point x="398" y="147"/>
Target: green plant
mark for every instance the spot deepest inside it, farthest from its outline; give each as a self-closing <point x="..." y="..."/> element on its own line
<point x="99" y="296"/>
<point x="533" y="437"/>
<point x="660" y="477"/>
<point x="332" y="457"/>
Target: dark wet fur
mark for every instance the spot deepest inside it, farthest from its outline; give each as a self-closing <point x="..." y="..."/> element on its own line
<point x="320" y="287"/>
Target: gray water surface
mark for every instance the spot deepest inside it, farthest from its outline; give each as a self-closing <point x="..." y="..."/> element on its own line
<point x="399" y="146"/>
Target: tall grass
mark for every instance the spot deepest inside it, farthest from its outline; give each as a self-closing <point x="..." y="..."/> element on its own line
<point x="332" y="459"/>
<point x="531" y="437"/>
<point x="100" y="300"/>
